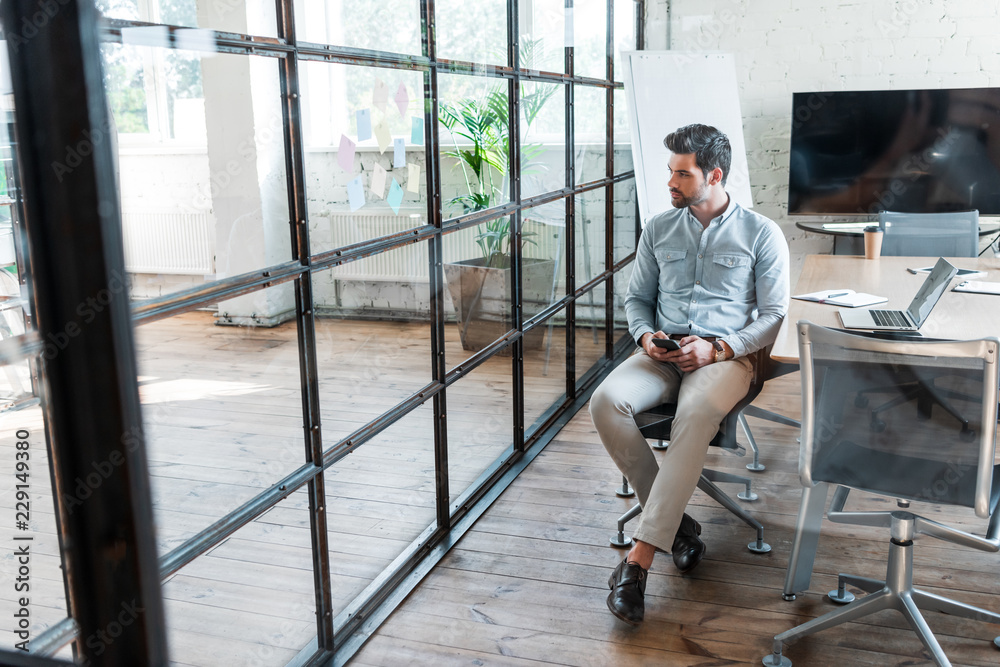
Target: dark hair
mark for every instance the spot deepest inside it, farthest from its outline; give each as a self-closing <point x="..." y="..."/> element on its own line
<point x="710" y="147"/>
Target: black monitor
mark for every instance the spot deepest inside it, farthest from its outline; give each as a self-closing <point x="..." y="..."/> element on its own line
<point x="916" y="151"/>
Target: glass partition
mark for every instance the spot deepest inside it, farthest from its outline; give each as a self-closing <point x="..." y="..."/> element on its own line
<point x="229" y="155"/>
<point x="365" y="159"/>
<point x="590" y="36"/>
<point x="200" y="165"/>
<point x="474" y="137"/>
<point x="472" y="31"/>
<point x="388" y="25"/>
<point x="379" y="500"/>
<point x="480" y="423"/>
<point x="254" y="17"/>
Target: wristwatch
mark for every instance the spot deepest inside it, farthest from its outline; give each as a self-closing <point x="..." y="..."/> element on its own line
<point x="720" y="352"/>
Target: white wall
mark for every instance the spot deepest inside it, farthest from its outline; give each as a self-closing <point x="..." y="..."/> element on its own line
<point x="782" y="46"/>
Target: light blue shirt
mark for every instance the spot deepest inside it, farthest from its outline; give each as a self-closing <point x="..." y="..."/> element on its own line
<point x="729" y="279"/>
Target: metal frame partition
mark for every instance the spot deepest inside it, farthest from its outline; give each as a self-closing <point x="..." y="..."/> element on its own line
<point x="74" y="239"/>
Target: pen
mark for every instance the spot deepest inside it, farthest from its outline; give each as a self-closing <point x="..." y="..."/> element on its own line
<point x="830" y="296"/>
<point x="913" y="271"/>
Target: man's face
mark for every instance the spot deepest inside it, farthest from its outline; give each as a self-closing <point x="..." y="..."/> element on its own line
<point x="687" y="183"/>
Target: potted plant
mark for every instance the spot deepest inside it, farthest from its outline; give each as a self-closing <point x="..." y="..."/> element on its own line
<point x="481" y="287"/>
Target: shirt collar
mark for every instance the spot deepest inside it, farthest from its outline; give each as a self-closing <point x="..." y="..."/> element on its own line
<point x="730" y="209"/>
<point x="719" y="219"/>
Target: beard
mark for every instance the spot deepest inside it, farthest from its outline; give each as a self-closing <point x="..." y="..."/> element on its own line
<point x="700" y="195"/>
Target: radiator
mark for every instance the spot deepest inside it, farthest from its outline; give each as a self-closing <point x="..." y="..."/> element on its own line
<point x="409" y="263"/>
<point x="182" y="243"/>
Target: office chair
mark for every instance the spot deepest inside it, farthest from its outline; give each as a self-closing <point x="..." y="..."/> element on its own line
<point x="655" y="424"/>
<point x="926" y="462"/>
<point x="924" y="235"/>
<point x="953" y="234"/>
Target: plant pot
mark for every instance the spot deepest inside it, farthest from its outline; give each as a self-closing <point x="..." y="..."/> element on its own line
<point x="482" y="296"/>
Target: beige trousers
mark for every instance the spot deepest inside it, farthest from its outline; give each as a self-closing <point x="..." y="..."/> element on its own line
<point x="704" y="397"/>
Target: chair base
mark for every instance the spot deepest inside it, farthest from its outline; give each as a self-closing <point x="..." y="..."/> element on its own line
<point x="707" y="484"/>
<point x="625" y="491"/>
<point x="896" y="592"/>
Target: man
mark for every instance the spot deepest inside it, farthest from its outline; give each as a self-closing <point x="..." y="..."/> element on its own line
<point x="713" y="276"/>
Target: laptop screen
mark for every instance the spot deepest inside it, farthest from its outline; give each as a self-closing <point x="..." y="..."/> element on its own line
<point x="934" y="286"/>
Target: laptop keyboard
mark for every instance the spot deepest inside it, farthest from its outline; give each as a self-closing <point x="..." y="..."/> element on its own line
<point x="889" y="318"/>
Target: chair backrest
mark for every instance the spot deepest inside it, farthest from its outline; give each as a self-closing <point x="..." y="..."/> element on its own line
<point x="895" y="452"/>
<point x="930" y="234"/>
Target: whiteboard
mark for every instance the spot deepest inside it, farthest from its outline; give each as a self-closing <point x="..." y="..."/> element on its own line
<point x="667" y="90"/>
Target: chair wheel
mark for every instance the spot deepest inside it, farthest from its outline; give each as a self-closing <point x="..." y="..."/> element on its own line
<point x="877" y="425"/>
<point x="860" y="401"/>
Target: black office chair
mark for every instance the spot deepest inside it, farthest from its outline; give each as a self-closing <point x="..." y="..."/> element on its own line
<point x="655" y="424"/>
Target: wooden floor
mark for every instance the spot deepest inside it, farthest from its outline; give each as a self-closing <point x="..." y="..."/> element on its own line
<point x="223" y="422"/>
<point x="527" y="585"/>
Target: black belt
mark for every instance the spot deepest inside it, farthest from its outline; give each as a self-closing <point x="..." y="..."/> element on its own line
<point x="710" y="339"/>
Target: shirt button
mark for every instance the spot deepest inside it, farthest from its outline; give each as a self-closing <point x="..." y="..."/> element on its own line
<point x="694" y="301"/>
<point x="700" y="256"/>
<point x="697" y="282"/>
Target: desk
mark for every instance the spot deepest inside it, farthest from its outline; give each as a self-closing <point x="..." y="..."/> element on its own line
<point x="852" y="241"/>
<point x="957" y="315"/>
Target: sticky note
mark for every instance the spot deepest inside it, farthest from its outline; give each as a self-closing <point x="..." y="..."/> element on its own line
<point x="345" y="155"/>
<point x="364" y="124"/>
<point x="378" y="181"/>
<point x="356" y="193"/>
<point x="380" y="96"/>
<point x="395" y="197"/>
<point x="382" y="135"/>
<point x="413" y="178"/>
<point x="398" y="153"/>
<point x="417" y="131"/>
<point x="402" y="99"/>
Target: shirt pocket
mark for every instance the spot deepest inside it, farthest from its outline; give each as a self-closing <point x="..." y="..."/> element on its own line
<point x="673" y="269"/>
<point x="729" y="274"/>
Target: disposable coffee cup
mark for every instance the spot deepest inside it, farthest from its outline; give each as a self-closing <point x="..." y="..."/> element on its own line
<point x="873" y="242"/>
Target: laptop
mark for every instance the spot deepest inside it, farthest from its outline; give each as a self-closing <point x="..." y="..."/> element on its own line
<point x="913" y="317"/>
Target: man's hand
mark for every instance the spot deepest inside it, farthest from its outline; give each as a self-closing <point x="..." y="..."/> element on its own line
<point x="695" y="352"/>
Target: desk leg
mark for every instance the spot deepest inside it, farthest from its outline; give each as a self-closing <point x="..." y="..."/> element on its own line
<point x="807" y="526"/>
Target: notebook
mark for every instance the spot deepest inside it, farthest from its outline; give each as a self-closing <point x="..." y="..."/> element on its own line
<point x="842" y="297"/>
<point x="913" y="317"/>
<point x="977" y="287"/>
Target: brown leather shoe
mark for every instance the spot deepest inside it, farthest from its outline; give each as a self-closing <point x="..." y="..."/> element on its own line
<point x="688" y="549"/>
<point x="628" y="591"/>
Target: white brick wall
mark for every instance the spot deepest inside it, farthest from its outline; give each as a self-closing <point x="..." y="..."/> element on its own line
<point x="786" y="46"/>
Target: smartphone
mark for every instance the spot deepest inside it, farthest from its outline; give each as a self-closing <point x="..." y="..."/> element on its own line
<point x="667" y="343"/>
